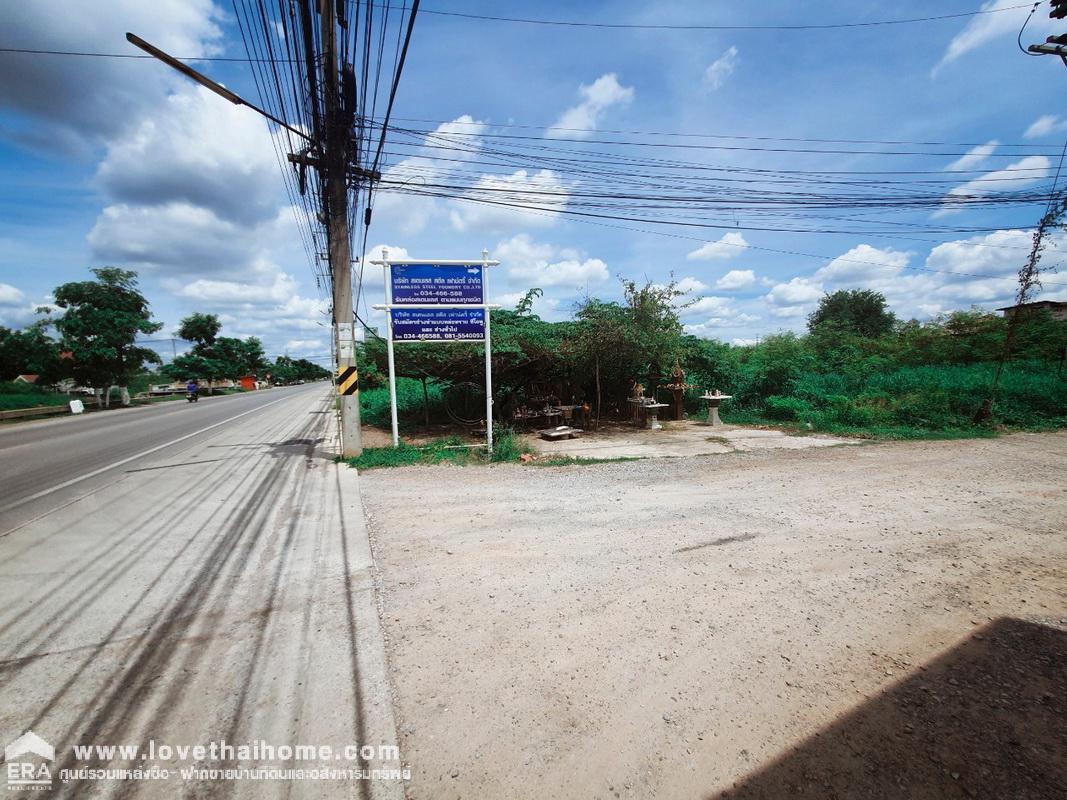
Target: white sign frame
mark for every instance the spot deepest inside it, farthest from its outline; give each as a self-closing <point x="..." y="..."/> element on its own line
<point x="386" y="263"/>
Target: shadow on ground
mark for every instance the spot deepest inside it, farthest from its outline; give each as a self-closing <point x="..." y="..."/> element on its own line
<point x="986" y="720"/>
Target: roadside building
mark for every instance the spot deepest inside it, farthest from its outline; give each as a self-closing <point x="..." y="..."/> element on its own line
<point x="1057" y="309"/>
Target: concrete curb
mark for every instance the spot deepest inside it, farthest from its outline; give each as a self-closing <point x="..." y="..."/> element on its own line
<point x="372" y="665"/>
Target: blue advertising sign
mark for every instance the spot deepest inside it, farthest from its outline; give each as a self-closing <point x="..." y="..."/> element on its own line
<point x="436" y="284"/>
<point x="438" y="324"/>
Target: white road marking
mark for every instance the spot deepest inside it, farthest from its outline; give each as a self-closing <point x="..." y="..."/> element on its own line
<point x="128" y="459"/>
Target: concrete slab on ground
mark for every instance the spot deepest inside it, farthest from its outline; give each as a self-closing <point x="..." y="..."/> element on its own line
<point x="685" y="438"/>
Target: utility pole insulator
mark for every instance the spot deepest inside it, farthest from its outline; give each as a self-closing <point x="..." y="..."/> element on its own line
<point x="359" y="172"/>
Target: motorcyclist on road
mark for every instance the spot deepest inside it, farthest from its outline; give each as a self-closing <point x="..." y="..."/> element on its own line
<point x="193" y="389"/>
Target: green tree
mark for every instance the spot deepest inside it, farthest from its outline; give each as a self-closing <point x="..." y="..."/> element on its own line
<point x="859" y="312"/>
<point x="213" y="357"/>
<point x="100" y="324"/>
<point x="29" y="351"/>
<point x="288" y="370"/>
<point x="200" y="328"/>
<point x="637" y="340"/>
<point x="603" y="339"/>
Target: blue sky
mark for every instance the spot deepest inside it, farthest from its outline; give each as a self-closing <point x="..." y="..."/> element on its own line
<point x="112" y="162"/>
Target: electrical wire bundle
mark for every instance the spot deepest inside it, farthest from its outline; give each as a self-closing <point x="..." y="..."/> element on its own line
<point x="283" y="41"/>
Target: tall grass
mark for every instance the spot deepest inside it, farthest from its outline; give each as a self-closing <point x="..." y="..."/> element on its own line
<point x="15" y="395"/>
<point x="374" y="404"/>
<point x="913" y="402"/>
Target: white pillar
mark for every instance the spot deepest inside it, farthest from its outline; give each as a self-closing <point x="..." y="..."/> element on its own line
<point x="388" y="273"/>
<point x="488" y="358"/>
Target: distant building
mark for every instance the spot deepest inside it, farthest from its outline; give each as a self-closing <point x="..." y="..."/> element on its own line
<point x="31" y="379"/>
<point x="1057" y="309"/>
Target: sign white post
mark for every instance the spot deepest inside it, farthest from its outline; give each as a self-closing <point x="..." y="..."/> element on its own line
<point x="389" y="347"/>
<point x="437" y="326"/>
<point x="488" y="361"/>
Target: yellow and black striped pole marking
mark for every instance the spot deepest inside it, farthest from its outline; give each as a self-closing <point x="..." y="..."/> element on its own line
<point x="347" y="380"/>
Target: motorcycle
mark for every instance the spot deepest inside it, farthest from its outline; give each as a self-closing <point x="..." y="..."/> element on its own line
<point x="192" y="397"/>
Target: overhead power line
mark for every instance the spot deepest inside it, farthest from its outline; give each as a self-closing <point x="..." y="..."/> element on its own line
<point x="701" y="27"/>
<point x="680" y="134"/>
<point x="451" y="135"/>
<point x="561" y="23"/>
<point x="780" y="251"/>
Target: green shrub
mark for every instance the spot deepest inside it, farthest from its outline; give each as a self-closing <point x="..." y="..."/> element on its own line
<point x="15" y="395"/>
<point x="787" y="409"/>
<point x="507" y="445"/>
<point x="374" y="404"/>
<point x="930" y="401"/>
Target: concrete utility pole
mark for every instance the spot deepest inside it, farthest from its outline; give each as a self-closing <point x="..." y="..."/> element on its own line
<point x="328" y="154"/>
<point x="335" y="175"/>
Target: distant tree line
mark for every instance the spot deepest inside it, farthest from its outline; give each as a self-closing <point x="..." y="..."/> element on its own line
<point x="853" y="340"/>
<point x="97" y="344"/>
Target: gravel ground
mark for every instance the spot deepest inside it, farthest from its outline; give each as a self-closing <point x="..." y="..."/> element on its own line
<point x="878" y="621"/>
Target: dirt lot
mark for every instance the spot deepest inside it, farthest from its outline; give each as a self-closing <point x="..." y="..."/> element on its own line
<point x="879" y="621"/>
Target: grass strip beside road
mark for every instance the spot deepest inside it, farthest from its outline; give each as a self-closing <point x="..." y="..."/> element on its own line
<point x="448" y="450"/>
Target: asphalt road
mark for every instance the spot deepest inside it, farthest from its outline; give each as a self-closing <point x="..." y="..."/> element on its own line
<point x="47" y="463"/>
<point x="191" y="575"/>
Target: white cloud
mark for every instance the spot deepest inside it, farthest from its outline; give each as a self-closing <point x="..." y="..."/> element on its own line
<point x="1016" y="175"/>
<point x="998" y="253"/>
<point x="209" y="292"/>
<point x="544" y="306"/>
<point x="712" y="328"/>
<point x="721" y="69"/>
<point x="790" y="311"/>
<point x="735" y="280"/>
<point x="528" y="264"/>
<point x="542" y="190"/>
<point x="380" y="251"/>
<point x="730" y="245"/>
<point x="409" y="214"/>
<point x="1008" y="18"/>
<point x="914" y="293"/>
<point x="713" y="306"/>
<point x="10" y="295"/>
<point x="181" y="239"/>
<point x="708" y="316"/>
<point x="460" y="136"/>
<point x="73" y="102"/>
<point x="690" y="284"/>
<point x="794" y="293"/>
<point x="863" y="263"/>
<point x="200" y="150"/>
<point x="973" y="157"/>
<point x="571" y="272"/>
<point x="15" y="312"/>
<point x="580" y="121"/>
<point x="1044" y="126"/>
